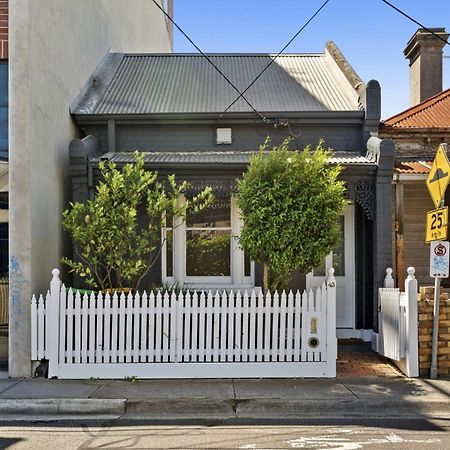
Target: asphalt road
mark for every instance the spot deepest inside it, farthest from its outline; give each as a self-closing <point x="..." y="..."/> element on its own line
<point x="326" y="434"/>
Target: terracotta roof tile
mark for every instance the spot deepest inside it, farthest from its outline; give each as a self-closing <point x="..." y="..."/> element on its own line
<point x="413" y="167"/>
<point x="433" y="112"/>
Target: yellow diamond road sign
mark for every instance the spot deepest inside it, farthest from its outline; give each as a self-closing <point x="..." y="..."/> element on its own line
<point x="438" y="177"/>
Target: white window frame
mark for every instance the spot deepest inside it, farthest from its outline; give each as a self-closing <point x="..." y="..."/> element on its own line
<point x="236" y="279"/>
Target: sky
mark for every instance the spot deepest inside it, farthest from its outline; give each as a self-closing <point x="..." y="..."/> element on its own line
<point x="370" y="34"/>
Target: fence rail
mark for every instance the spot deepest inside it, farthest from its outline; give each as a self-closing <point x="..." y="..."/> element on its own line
<point x="199" y="334"/>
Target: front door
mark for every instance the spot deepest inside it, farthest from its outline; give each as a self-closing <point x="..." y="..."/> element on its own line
<point x="343" y="261"/>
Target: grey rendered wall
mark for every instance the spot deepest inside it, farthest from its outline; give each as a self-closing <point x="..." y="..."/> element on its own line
<point x="54" y="47"/>
<point x="245" y="137"/>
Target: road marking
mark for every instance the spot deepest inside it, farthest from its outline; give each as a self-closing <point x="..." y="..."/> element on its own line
<point x="329" y="441"/>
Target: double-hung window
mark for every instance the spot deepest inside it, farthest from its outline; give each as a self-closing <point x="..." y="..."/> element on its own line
<point x="203" y="251"/>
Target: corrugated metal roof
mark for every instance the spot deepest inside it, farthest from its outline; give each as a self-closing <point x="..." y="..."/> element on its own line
<point x="412" y="167"/>
<point x="222" y="157"/>
<point x="431" y="113"/>
<point x="187" y="83"/>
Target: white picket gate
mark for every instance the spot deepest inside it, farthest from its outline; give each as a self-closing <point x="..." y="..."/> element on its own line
<point x="186" y="335"/>
<point x="398" y="322"/>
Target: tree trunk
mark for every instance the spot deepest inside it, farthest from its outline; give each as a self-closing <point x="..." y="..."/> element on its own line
<point x="265" y="278"/>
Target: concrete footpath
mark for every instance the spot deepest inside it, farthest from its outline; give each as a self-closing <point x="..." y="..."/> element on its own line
<point x="227" y="398"/>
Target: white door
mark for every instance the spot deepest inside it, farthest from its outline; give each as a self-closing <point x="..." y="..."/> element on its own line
<point x="343" y="261"/>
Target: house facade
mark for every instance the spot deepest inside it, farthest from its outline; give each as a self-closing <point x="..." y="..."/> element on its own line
<point x="417" y="132"/>
<point x="173" y="108"/>
<point x="55" y="46"/>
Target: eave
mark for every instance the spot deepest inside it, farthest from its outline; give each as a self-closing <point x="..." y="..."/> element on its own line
<point x="304" y="117"/>
<point x="393" y="132"/>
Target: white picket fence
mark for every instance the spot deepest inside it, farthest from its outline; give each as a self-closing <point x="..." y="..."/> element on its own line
<point x="186" y="335"/>
<point x="398" y="323"/>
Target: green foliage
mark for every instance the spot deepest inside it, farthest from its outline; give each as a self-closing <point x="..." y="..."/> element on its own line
<point x="114" y="249"/>
<point x="132" y="379"/>
<point x="290" y="202"/>
<point x="208" y="253"/>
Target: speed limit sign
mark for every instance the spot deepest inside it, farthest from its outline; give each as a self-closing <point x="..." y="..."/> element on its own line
<point x="437" y="224"/>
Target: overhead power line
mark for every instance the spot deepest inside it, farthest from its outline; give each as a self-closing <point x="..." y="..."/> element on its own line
<point x="273" y="59"/>
<point x="209" y="60"/>
<point x="415" y="21"/>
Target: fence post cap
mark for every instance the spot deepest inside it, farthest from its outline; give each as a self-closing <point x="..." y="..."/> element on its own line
<point x="55" y="273"/>
<point x="331" y="281"/>
<point x="411" y="271"/>
<point x="389" y="271"/>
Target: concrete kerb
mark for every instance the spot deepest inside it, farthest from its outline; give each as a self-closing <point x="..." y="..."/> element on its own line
<point x="262" y="408"/>
<point x="361" y="407"/>
<point x="67" y="406"/>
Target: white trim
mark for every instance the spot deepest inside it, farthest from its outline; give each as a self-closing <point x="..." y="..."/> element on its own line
<point x="199" y="370"/>
<point x="236" y="279"/>
<point x="352" y="333"/>
<point x="313" y="281"/>
<point x="375" y="337"/>
<point x="410" y="177"/>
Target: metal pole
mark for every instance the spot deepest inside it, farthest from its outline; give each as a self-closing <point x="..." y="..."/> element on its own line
<point x="434" y="345"/>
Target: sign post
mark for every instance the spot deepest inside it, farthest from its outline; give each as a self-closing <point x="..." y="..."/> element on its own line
<point x="437" y="220"/>
<point x="439" y="262"/>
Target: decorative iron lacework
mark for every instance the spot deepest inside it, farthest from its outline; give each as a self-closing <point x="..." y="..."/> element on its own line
<point x="221" y="188"/>
<point x="362" y="192"/>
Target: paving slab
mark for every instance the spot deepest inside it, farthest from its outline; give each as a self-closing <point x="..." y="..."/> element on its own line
<point x="442" y="386"/>
<point x="7" y="383"/>
<point x="166" y="389"/>
<point x="44" y="389"/>
<point x="290" y="389"/>
<point x="407" y="389"/>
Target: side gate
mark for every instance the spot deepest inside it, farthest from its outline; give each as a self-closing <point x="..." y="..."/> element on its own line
<point x="398" y="323"/>
<point x="186" y="335"/>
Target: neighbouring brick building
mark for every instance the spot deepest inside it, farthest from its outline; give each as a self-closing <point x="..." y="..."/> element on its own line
<point x="425" y="310"/>
<point x="417" y="133"/>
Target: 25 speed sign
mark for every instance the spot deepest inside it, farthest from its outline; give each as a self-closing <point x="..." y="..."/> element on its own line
<point x="437" y="224"/>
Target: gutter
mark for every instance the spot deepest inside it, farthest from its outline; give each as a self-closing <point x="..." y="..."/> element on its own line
<point x="399" y="177"/>
<point x="302" y="117"/>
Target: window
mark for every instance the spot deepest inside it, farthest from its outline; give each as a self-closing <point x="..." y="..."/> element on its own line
<point x="204" y="252"/>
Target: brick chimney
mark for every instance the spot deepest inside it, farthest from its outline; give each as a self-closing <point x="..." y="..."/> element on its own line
<point x="424" y="51"/>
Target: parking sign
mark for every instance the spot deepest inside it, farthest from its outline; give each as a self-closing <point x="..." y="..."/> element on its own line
<point x="439" y="259"/>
